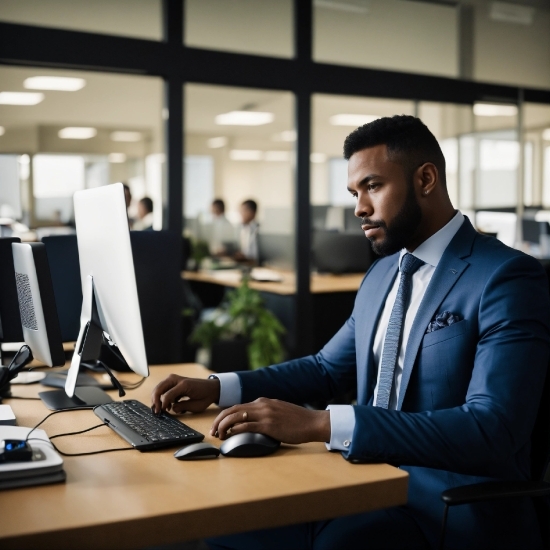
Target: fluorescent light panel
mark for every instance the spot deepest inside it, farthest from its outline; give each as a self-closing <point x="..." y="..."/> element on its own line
<point x="217" y="142"/>
<point x="20" y="98"/>
<point x="277" y="156"/>
<point x="60" y="83"/>
<point x="244" y="118"/>
<point x="126" y="136"/>
<point x="354" y="120"/>
<point x="245" y="154"/>
<point x="2" y="130"/>
<point x="75" y="132"/>
<point x="495" y="109"/>
<point x="117" y="158"/>
<point x="287" y="135"/>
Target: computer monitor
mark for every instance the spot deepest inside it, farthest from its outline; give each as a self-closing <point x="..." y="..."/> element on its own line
<point x="335" y="252"/>
<point x="110" y="306"/>
<point x="37" y="308"/>
<point x="37" y="314"/>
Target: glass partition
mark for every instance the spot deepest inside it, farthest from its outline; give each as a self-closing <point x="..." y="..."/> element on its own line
<point x="239" y="146"/>
<point x="260" y="27"/>
<point x="108" y="128"/>
<point x="388" y="34"/>
<point x="137" y="18"/>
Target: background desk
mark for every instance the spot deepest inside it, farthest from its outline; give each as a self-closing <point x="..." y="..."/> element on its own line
<point x="333" y="297"/>
<point x="134" y="500"/>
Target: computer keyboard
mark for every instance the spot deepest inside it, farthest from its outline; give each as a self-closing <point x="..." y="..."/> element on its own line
<point x="135" y="423"/>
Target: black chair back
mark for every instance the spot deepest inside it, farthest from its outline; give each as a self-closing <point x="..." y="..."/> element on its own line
<point x="157" y="263"/>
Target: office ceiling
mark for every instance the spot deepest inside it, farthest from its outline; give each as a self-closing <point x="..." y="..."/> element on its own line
<point x="122" y="102"/>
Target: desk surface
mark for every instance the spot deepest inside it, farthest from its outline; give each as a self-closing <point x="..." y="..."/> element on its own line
<point x="133" y="500"/>
<point x="320" y="283"/>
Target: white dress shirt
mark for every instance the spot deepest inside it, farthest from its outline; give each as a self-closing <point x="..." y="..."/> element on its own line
<point x="342" y="417"/>
<point x="248" y="240"/>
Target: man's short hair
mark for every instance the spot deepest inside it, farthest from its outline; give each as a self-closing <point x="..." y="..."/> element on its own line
<point x="407" y="138"/>
<point x="251" y="205"/>
<point x="147" y="203"/>
<point x="219" y="204"/>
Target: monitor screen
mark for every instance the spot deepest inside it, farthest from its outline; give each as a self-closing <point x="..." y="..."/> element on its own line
<point x="37" y="303"/>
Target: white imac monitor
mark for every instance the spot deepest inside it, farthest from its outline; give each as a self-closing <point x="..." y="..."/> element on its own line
<point x="110" y="309"/>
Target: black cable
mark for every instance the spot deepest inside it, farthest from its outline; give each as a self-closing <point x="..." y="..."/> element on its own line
<point x="133" y="385"/>
<point x="81" y="454"/>
<point x="19" y="397"/>
<point x="51" y="414"/>
<point x="72" y="433"/>
<point x="80" y="432"/>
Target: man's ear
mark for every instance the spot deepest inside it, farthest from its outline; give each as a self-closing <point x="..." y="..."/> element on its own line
<point x="427" y="176"/>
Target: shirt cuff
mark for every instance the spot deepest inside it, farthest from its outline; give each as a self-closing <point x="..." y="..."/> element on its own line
<point x="230" y="389"/>
<point x="342" y="424"/>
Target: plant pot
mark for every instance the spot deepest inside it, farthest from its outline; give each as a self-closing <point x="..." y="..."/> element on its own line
<point x="229" y="356"/>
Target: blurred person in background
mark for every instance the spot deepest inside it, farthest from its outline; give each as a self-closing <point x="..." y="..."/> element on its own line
<point x="248" y="232"/>
<point x="222" y="234"/>
<point x="145" y="215"/>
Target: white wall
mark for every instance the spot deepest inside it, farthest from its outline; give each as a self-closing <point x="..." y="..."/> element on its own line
<point x="416" y="37"/>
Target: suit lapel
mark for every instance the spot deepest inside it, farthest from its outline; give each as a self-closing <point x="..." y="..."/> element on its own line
<point x="377" y="300"/>
<point x="448" y="272"/>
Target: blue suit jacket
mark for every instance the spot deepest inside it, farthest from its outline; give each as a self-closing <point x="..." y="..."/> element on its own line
<point x="469" y="392"/>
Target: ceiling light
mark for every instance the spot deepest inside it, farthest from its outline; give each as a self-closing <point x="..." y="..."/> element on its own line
<point x="126" y="136"/>
<point x="317" y="157"/>
<point x="20" y="98"/>
<point x="546" y="134"/>
<point x="2" y="130"/>
<point x="117" y="158"/>
<point x="495" y="109"/>
<point x="62" y="83"/>
<point x="287" y="135"/>
<point x="217" y="142"/>
<point x="351" y="120"/>
<point x="73" y="132"/>
<point x="244" y="118"/>
<point x="245" y="154"/>
<point x="277" y="156"/>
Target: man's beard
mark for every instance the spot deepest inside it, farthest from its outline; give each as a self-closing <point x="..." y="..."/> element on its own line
<point x="401" y="228"/>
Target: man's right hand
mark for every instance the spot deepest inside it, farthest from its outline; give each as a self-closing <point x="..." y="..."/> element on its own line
<point x="179" y="394"/>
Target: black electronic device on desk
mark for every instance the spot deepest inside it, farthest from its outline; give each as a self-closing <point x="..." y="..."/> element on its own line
<point x="145" y="431"/>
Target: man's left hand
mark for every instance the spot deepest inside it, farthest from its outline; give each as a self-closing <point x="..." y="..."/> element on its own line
<point x="283" y="421"/>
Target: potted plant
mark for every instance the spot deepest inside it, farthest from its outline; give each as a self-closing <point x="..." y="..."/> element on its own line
<point x="241" y="333"/>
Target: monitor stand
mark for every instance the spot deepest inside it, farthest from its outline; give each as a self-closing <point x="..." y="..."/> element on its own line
<point x="84" y="396"/>
<point x="88" y="349"/>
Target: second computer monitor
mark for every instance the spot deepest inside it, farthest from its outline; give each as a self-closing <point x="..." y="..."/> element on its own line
<point x="335" y="252"/>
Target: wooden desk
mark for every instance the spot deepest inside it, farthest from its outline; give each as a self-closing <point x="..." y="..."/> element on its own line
<point x="320" y="284"/>
<point x="133" y="500"/>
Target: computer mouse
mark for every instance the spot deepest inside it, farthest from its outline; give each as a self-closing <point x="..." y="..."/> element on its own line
<point x="197" y="451"/>
<point x="249" y="444"/>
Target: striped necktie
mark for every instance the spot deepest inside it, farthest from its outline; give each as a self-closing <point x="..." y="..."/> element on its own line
<point x="394" y="332"/>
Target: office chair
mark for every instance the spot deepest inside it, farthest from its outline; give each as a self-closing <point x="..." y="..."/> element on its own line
<point x="538" y="487"/>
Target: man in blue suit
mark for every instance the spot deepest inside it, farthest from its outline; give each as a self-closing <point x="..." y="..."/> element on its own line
<point x="447" y="347"/>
